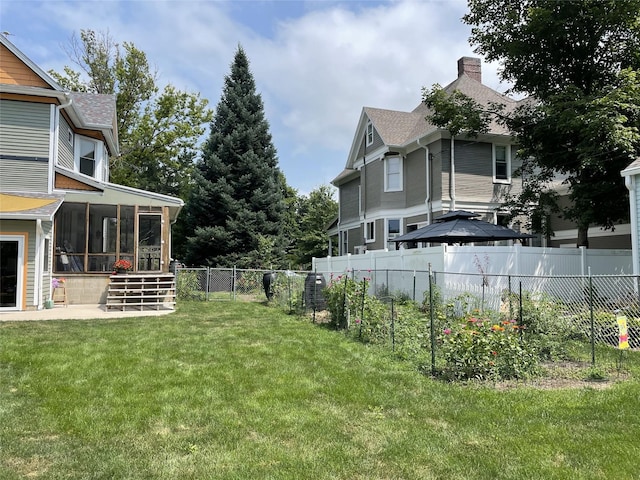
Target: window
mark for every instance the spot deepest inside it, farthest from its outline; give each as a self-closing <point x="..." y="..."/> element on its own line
<point x="89" y="157"/>
<point x="393" y="230"/>
<point x="501" y="164"/>
<point x="87" y="160"/>
<point x="369" y="133"/>
<point x="370" y="231"/>
<point x="393" y="174"/>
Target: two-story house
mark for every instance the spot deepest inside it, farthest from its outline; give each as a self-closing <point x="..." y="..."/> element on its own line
<point x="59" y="214"/>
<point x="402" y="171"/>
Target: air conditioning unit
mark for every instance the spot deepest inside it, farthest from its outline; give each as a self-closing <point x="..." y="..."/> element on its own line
<point x="360" y="249"/>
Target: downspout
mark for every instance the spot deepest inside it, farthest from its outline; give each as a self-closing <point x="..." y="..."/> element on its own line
<point x="56" y="138"/>
<point x="452" y="177"/>
<point x="630" y="183"/>
<point x="364" y="189"/>
<point x="427" y="200"/>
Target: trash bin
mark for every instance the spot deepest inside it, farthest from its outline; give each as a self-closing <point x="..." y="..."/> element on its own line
<point x="314" y="286"/>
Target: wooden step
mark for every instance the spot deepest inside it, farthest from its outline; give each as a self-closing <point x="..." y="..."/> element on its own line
<point x="142" y="291"/>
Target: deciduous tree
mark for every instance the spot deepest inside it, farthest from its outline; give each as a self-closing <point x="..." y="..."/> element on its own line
<point x="158" y="130"/>
<point x="577" y="61"/>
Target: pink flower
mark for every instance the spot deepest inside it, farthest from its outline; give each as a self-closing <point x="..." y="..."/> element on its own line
<point x="358" y="320"/>
<point x="447" y="331"/>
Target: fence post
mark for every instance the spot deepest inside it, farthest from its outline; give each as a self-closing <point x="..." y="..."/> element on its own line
<point x="432" y="326"/>
<point x="393" y="328"/>
<point x="510" y="298"/>
<point x="315" y="292"/>
<point x="414" y="285"/>
<point x="207" y="283"/>
<point x="520" y="309"/>
<point x="289" y="292"/>
<point x="593" y="338"/>
<point x="364" y="294"/>
<point x="234" y="281"/>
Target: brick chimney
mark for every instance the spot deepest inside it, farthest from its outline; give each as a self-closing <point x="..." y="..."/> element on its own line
<point x="471" y="66"/>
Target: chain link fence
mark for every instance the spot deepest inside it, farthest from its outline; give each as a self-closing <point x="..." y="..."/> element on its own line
<point x="567" y="312"/>
<point x="294" y="291"/>
<point x="415" y="307"/>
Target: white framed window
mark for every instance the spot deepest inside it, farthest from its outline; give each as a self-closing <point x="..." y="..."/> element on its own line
<point x="89" y="157"/>
<point x="370" y="232"/>
<point x="369" y="133"/>
<point x="501" y="163"/>
<point x="393" y="231"/>
<point x="393" y="174"/>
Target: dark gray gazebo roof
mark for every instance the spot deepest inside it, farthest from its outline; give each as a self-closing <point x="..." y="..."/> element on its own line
<point x="460" y="226"/>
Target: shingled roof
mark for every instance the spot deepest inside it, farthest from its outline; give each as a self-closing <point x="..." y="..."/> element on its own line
<point x="95" y="109"/>
<point x="398" y="128"/>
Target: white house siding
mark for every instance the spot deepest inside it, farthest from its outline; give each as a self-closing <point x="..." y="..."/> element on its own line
<point x="637" y="204"/>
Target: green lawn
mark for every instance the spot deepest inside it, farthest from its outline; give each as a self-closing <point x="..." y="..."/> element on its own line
<point x="243" y="391"/>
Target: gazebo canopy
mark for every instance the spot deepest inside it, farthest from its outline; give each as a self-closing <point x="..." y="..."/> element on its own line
<point x="460" y="226"/>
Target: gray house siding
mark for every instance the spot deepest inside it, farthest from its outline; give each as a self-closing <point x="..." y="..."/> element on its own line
<point x="435" y="150"/>
<point x="24" y="146"/>
<point x="474" y="171"/>
<point x="349" y="201"/>
<point x="24" y="129"/>
<point x="415" y="178"/>
<point x="21" y="175"/>
<point x="354" y="238"/>
<point x="374" y="184"/>
<point x="65" y="147"/>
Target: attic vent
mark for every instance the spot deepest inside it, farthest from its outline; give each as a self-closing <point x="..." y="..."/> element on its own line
<point x="471" y="66"/>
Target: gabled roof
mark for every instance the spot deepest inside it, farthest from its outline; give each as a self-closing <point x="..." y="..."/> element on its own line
<point x="395" y="127"/>
<point x="399" y="128"/>
<point x="632" y="169"/>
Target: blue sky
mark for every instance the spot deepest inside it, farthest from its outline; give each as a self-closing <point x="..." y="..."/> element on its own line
<point x="316" y="63"/>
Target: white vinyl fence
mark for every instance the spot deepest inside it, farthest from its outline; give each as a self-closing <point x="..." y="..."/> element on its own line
<point x="503" y="260"/>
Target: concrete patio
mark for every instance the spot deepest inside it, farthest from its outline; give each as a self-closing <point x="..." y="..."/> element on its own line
<point x="78" y="312"/>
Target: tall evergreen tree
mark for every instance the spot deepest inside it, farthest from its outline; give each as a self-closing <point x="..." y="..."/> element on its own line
<point x="235" y="213"/>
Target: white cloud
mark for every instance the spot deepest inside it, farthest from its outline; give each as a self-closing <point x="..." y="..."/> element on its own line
<point x="315" y="73"/>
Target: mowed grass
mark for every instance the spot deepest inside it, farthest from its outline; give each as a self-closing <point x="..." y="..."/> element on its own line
<point x="244" y="391"/>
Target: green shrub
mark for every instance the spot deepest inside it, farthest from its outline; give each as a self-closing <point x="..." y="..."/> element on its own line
<point x="545" y="324"/>
<point x="485" y="348"/>
<point x="346" y="298"/>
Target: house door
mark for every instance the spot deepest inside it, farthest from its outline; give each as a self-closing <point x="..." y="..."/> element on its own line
<point x="149" y="242"/>
<point x="11" y="272"/>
